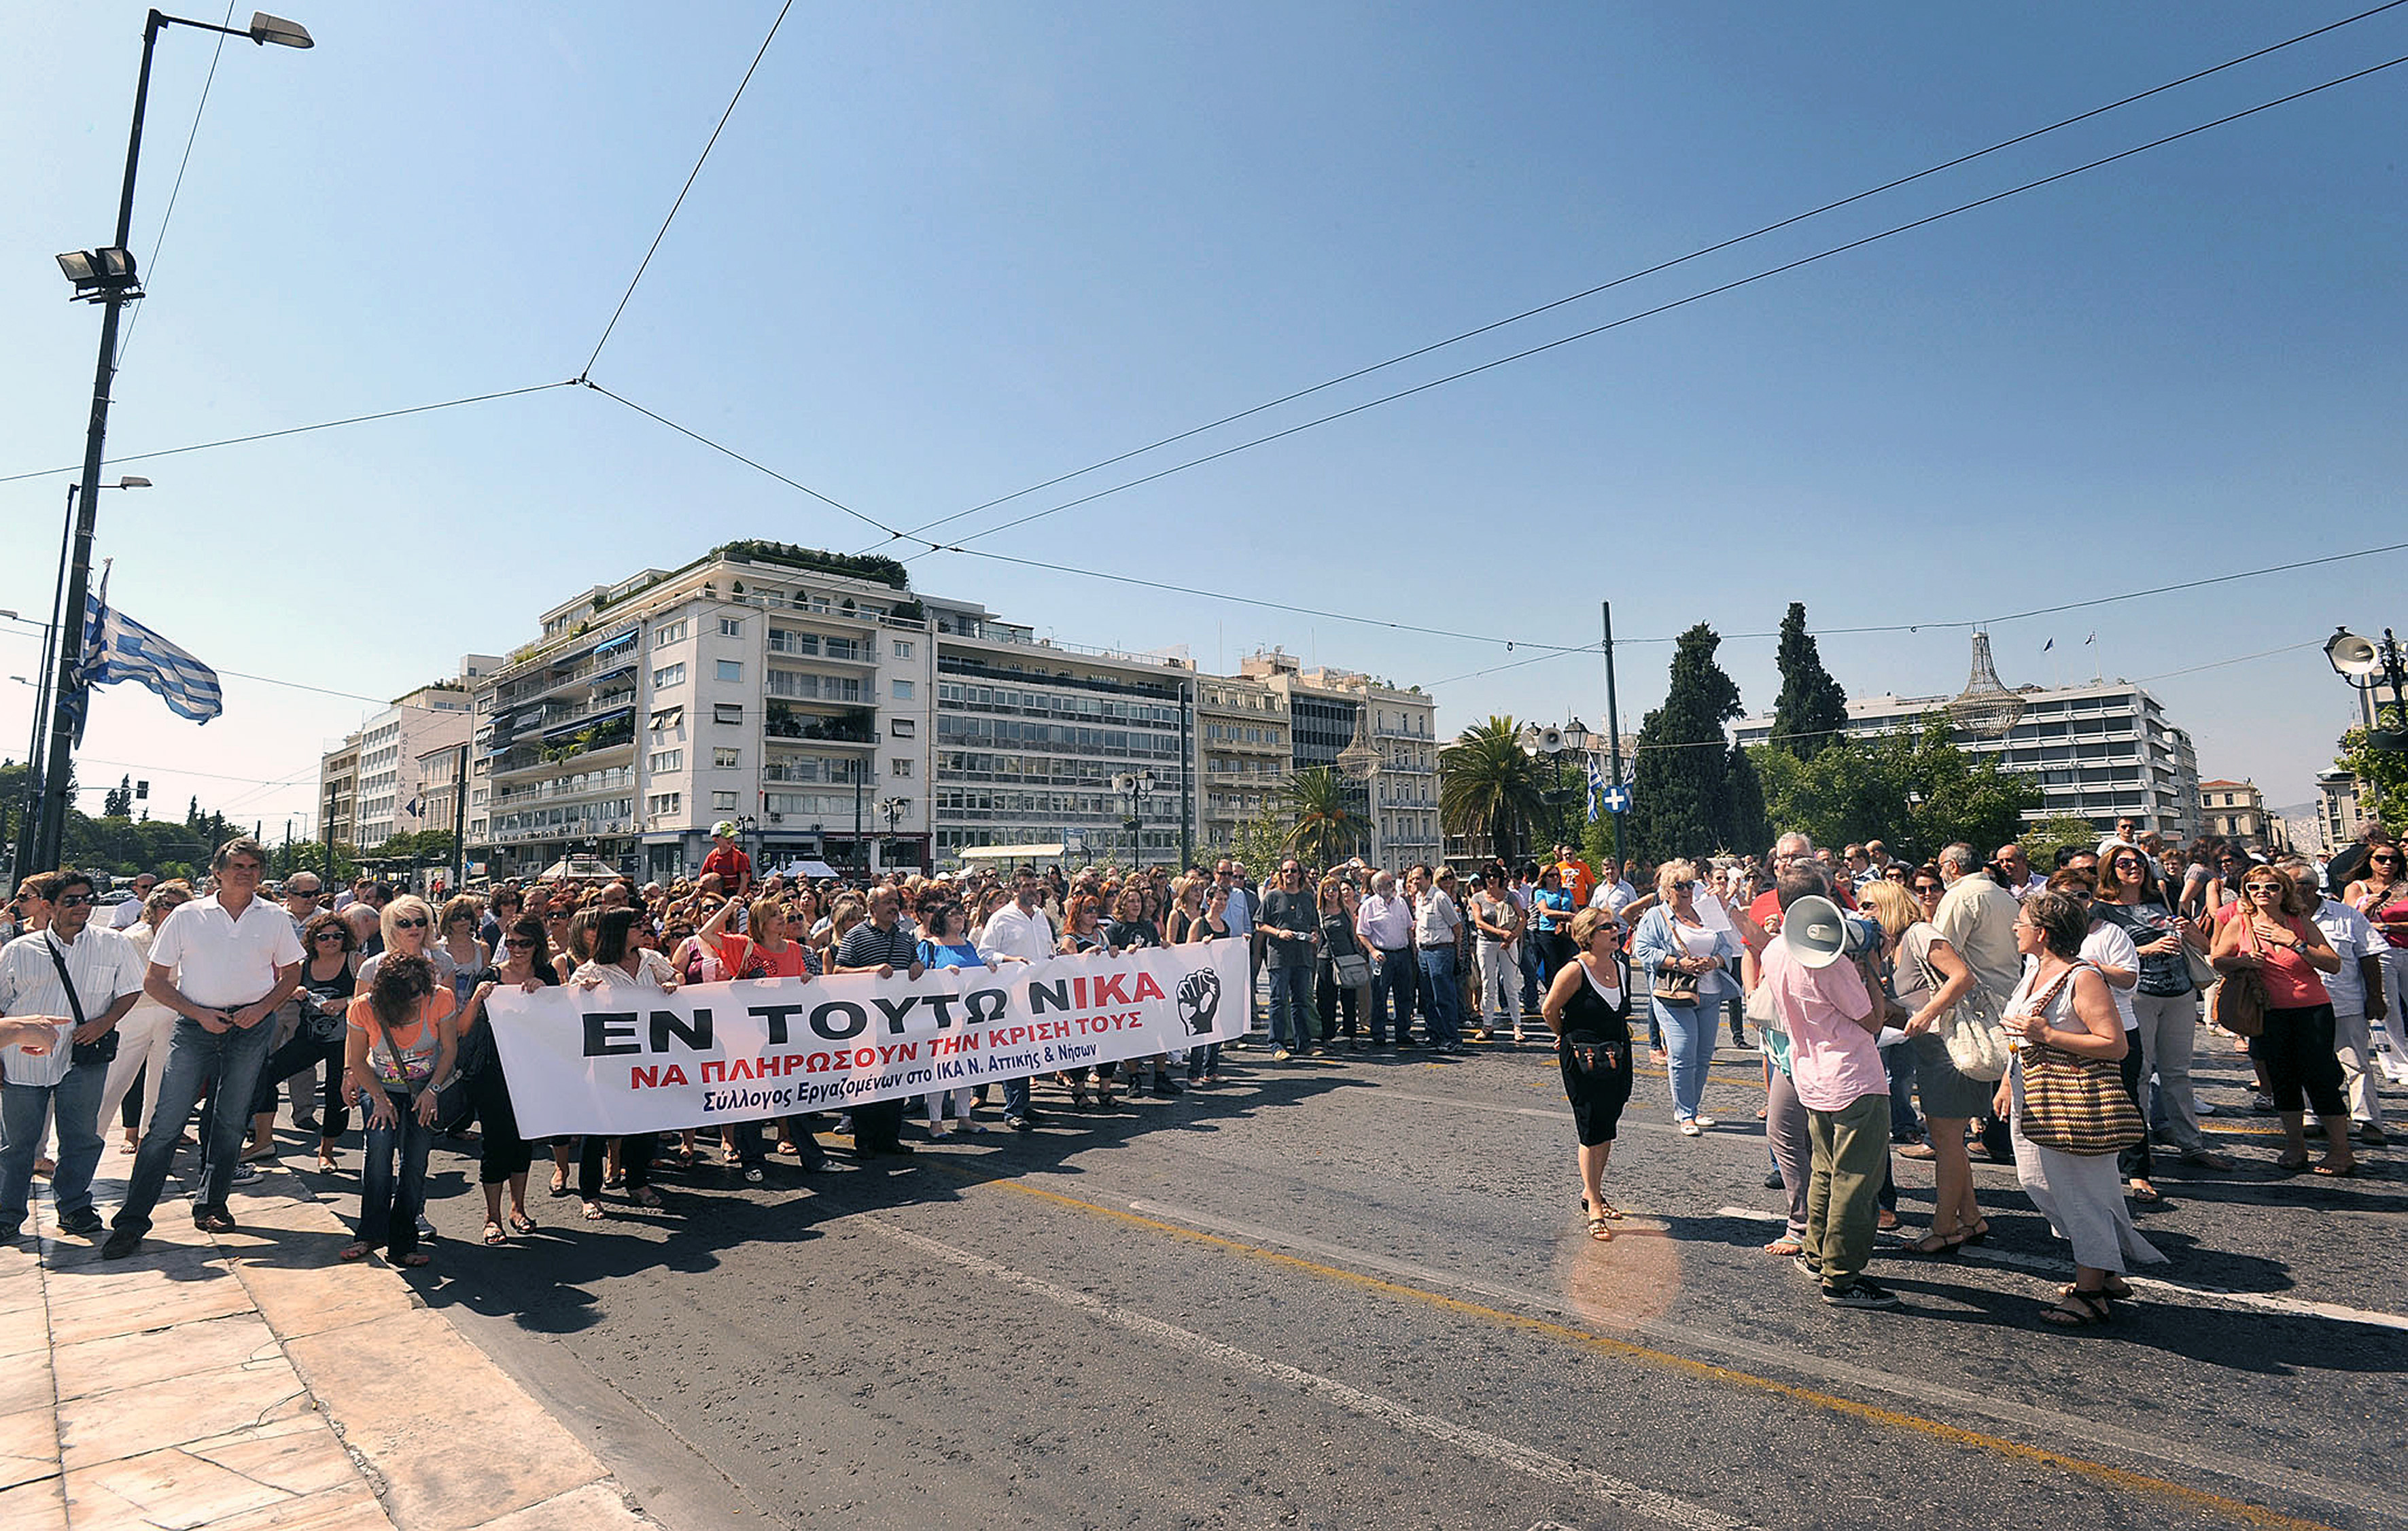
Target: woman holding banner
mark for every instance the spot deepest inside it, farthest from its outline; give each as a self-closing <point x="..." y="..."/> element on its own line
<point x="773" y="950"/>
<point x="948" y="944"/>
<point x="503" y="1155"/>
<point x="619" y="962"/>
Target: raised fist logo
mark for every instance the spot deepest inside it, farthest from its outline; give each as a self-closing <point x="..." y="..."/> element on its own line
<point x="1199" y="1000"/>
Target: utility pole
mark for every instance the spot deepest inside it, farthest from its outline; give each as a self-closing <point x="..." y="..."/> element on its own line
<point x="1612" y="730"/>
<point x="460" y="825"/>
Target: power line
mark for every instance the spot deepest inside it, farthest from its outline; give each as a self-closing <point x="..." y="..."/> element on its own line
<point x="1659" y="267"/>
<point x="732" y="452"/>
<point x="647" y="263"/>
<point x="151" y="274"/>
<point x="1665" y="307"/>
<point x="295" y="430"/>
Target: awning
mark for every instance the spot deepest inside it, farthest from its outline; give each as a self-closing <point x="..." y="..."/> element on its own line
<point x="613" y="645"/>
<point x="577" y="725"/>
<point x="598" y="681"/>
<point x="1011" y="853"/>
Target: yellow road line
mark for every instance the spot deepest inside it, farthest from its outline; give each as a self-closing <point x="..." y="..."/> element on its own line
<point x="1954" y="1435"/>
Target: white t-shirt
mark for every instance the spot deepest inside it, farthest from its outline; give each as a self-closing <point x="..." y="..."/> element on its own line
<point x="2353" y="937"/>
<point x="2107" y="946"/>
<point x="226" y="961"/>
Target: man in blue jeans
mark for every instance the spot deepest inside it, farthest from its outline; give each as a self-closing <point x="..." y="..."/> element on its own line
<point x="222" y="964"/>
<point x="1438" y="925"/>
<point x="1385" y="923"/>
<point x="1018" y="932"/>
<point x="69" y="1076"/>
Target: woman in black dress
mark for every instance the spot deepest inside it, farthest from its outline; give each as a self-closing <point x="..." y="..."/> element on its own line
<point x="1588" y="1009"/>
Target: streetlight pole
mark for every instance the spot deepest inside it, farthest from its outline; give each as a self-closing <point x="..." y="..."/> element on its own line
<point x="108" y="280"/>
<point x="1612" y="730"/>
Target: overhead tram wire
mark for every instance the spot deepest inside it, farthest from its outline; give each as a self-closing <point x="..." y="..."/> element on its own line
<point x="654" y="247"/>
<point x="295" y="430"/>
<point x="958" y="544"/>
<point x="731" y="452"/>
<point x="151" y="267"/>
<point x="1660" y="266"/>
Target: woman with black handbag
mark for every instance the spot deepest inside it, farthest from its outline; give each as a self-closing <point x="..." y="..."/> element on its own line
<point x="1345" y="975"/>
<point x="2064" y="1089"/>
<point x="2269" y="931"/>
<point x="1588" y="1009"/>
<point x="1685" y="958"/>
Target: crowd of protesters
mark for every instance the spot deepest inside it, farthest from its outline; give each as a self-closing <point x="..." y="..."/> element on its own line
<point x="373" y="1002"/>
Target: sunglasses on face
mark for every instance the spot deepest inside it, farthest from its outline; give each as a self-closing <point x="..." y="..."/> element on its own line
<point x="1926" y="889"/>
<point x="2128" y="861"/>
<point x="2264" y="888"/>
<point x="329" y="936"/>
<point x="2384" y="861"/>
<point x="73" y="901"/>
<point x="412" y="922"/>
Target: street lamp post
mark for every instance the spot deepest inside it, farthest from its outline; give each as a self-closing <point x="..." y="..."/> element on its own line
<point x="1555" y="743"/>
<point x="892" y="808"/>
<point x="107" y="276"/>
<point x="2373" y="668"/>
<point x="1135" y="786"/>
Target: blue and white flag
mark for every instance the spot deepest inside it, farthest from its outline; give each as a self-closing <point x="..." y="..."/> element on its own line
<point x="1595" y="788"/>
<point x="116" y="648"/>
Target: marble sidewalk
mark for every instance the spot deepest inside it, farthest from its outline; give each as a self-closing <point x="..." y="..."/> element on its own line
<point x="249" y="1380"/>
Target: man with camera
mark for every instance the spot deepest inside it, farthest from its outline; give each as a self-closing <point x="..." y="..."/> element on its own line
<point x="80" y="978"/>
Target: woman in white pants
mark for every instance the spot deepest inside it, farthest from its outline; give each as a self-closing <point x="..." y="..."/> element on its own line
<point x="142" y="1035"/>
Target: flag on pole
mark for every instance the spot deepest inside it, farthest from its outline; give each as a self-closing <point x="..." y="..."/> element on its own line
<point x="116" y="648"/>
<point x="1595" y="788"/>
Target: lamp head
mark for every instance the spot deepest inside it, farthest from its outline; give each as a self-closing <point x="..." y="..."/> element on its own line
<point x="266" y="29"/>
<point x="2348" y="653"/>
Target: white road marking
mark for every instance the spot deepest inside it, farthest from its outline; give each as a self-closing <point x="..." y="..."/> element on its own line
<point x="2214" y="1296"/>
<point x="1923" y="1395"/>
<point x="1479" y="1443"/>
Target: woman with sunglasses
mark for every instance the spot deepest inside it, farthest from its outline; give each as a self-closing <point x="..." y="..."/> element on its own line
<point x="1929" y="979"/>
<point x="2165" y="1003"/>
<point x="398" y="1053"/>
<point x="1587" y="1007"/>
<point x="503" y="1156"/>
<point x="408" y="926"/>
<point x="2269" y="930"/>
<point x="1673" y="942"/>
<point x="323" y="998"/>
<point x="2381" y="896"/>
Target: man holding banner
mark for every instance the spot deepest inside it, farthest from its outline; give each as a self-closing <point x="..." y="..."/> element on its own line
<point x="879" y="945"/>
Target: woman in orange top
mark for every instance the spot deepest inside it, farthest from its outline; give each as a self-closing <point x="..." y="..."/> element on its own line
<point x="398" y="1056"/>
<point x="2268" y="929"/>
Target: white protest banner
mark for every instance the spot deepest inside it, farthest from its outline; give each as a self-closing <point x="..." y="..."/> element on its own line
<point x="619" y="1059"/>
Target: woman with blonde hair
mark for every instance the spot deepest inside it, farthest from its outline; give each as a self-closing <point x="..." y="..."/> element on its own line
<point x="1587" y="1007"/>
<point x="1931" y="977"/>
<point x="2269" y="930"/>
<point x="1685" y="958"/>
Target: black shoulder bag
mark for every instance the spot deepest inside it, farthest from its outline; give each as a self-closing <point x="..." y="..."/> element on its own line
<point x="101" y="1051"/>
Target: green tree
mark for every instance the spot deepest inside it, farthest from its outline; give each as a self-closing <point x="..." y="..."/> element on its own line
<point x="119" y="801"/>
<point x="1487" y="785"/>
<point x="1694" y="793"/>
<point x="1325" y="824"/>
<point x="2381" y="775"/>
<point x="1812" y="712"/>
<point x="2040" y="841"/>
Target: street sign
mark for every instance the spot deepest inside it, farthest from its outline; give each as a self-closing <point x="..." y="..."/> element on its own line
<point x="1614" y="799"/>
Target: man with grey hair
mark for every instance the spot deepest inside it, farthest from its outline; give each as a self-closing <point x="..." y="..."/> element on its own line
<point x="1385" y="923"/>
<point x="1978" y="918"/>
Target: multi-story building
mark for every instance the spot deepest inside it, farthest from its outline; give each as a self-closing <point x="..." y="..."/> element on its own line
<point x="778" y="688"/>
<point x="2101" y="751"/>
<point x="1324" y="706"/>
<point x="1034" y="736"/>
<point x="2341" y="813"/>
<point x="1243" y="754"/>
<point x="2236" y="811"/>
<point x="369" y="785"/>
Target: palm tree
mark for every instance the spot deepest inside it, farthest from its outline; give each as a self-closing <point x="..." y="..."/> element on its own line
<point x="1486" y="785"/>
<point x="1327" y="827"/>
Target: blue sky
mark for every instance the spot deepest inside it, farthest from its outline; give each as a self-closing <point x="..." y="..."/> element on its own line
<point x="945" y="252"/>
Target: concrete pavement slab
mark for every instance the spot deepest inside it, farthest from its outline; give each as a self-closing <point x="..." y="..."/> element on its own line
<point x="123" y="1361"/>
<point x="597" y="1507"/>
<point x="39" y="1506"/>
<point x="29" y="1446"/>
<point x="171" y="1490"/>
<point x="109" y="1426"/>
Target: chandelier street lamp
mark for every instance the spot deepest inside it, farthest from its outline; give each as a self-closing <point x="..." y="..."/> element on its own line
<point x="891" y="810"/>
<point x="1134" y="786"/>
<point x="2373" y="669"/>
<point x="107" y="276"/>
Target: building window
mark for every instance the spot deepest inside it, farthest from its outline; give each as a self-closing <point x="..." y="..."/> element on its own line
<point x="723" y="802"/>
<point x="903" y="728"/>
<point x="902" y="648"/>
<point x="730" y="669"/>
<point x="899" y="766"/>
<point x="668" y="676"/>
<point x="669" y="632"/>
<point x="903" y="691"/>
<point x="731" y="627"/>
<point x="665" y="803"/>
<point x="669" y="717"/>
<point x="724" y="760"/>
<point x="669" y="760"/>
<point x="727" y="712"/>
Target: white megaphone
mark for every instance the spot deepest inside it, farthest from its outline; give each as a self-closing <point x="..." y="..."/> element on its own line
<point x="1551" y="740"/>
<point x="1819" y="933"/>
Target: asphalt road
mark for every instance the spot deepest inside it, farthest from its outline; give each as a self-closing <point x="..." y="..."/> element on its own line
<point x="1358" y="1294"/>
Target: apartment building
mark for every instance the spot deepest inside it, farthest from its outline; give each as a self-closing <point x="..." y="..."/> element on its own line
<point x="370" y="786"/>
<point x="2236" y="811"/>
<point x="1034" y="739"/>
<point x="2101" y="751"/>
<point x="1325" y="707"/>
<point x="1243" y="754"/>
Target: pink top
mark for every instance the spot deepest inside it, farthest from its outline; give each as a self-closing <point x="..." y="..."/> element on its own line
<point x="1834" y="1062"/>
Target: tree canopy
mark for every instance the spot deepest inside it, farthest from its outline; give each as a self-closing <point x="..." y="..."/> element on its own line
<point x="1694" y="793"/>
<point x="1812" y="712"/>
<point x="1913" y="789"/>
<point x="1489" y="787"/>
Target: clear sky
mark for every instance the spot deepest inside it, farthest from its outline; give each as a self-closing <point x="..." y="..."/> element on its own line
<point x="945" y="252"/>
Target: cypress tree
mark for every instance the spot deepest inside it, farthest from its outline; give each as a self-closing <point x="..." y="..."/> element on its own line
<point x="1812" y="712"/>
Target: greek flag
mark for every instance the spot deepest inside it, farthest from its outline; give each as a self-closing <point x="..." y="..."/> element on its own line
<point x="1595" y="788"/>
<point x="116" y="648"/>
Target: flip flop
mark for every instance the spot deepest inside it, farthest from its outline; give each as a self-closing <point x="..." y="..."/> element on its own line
<point x="2142" y="1191"/>
<point x="521" y="1222"/>
<point x="494" y="1234"/>
<point x="416" y="1258"/>
<point x="593" y="1212"/>
<point x="2336" y="1172"/>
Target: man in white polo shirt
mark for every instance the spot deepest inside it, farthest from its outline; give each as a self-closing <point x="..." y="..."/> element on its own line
<point x="222" y="964"/>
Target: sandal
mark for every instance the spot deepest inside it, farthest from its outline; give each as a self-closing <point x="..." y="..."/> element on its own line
<point x="1937" y="1246"/>
<point x="2079" y="1309"/>
<point x="1979" y="1233"/>
<point x="416" y="1258"/>
<point x="2116" y="1287"/>
<point x="2289" y="1166"/>
<point x="494" y="1234"/>
<point x="521" y="1222"/>
<point x="1603" y="1208"/>
<point x="1600" y="1230"/>
<point x="358" y="1249"/>
<point x="1784" y="1247"/>
<point x="593" y="1212"/>
<point x="559" y="1182"/>
<point x="644" y="1196"/>
<point x="325" y="1163"/>
<point x="2337" y="1172"/>
<point x="2142" y="1189"/>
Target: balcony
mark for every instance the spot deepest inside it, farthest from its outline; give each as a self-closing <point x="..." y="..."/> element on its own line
<point x="781" y="723"/>
<point x="838" y="651"/>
